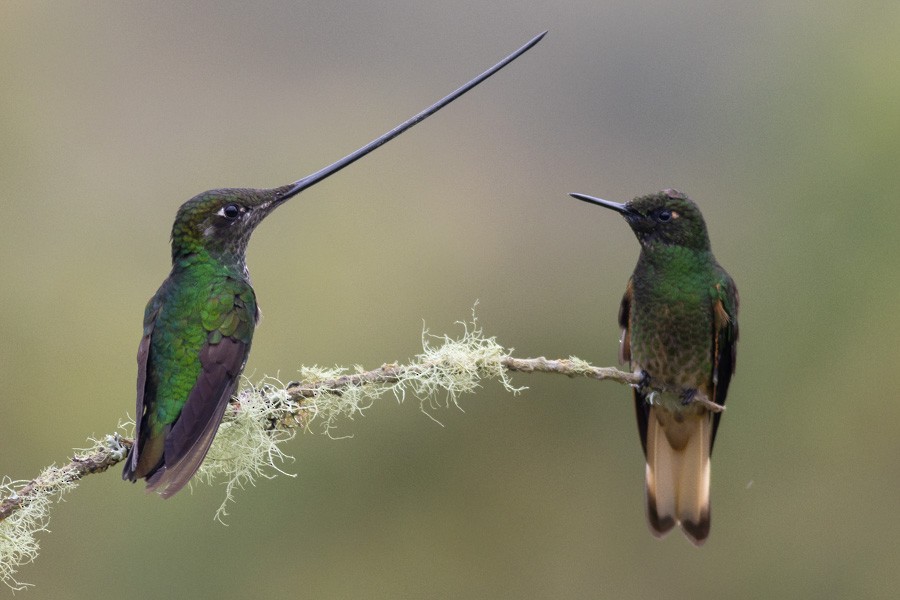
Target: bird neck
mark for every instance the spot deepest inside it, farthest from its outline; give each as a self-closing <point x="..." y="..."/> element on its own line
<point x="670" y="260"/>
<point x="196" y="257"/>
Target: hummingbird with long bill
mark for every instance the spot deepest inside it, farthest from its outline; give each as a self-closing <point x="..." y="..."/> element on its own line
<point x="199" y="325"/>
<point x="679" y="333"/>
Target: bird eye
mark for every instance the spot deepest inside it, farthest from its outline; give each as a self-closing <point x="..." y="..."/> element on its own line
<point x="230" y="212"/>
<point x="663" y="216"/>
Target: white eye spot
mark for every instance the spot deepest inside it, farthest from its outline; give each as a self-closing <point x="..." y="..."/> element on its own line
<point x="675" y="215"/>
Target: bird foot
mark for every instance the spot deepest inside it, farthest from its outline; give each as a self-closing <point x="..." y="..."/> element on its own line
<point x="643" y="386"/>
<point x="690" y="395"/>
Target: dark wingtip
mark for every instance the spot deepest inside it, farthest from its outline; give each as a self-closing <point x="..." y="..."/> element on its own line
<point x="167" y="482"/>
<point x="128" y="471"/>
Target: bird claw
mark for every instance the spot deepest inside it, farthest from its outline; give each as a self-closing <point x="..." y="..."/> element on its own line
<point x="643" y="386"/>
<point x="688" y="396"/>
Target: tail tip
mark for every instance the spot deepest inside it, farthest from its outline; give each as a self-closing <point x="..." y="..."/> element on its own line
<point x="659" y="526"/>
<point x="697" y="532"/>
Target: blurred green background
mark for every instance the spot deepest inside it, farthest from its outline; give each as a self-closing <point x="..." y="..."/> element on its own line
<point x="782" y="120"/>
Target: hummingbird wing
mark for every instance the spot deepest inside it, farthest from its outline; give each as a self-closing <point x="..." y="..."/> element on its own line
<point x="725" y="336"/>
<point x="641" y="406"/>
<point x="150" y="314"/>
<point x="229" y="319"/>
<point x="189" y="439"/>
<point x="625" y="324"/>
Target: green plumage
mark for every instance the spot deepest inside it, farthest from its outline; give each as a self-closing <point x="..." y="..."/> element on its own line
<point x="679" y="332"/>
<point x="671" y="317"/>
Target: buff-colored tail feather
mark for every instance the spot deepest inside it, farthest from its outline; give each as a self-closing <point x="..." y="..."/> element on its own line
<point x="678" y="473"/>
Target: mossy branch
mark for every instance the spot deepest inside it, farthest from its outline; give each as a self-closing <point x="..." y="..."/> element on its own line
<point x="264" y="416"/>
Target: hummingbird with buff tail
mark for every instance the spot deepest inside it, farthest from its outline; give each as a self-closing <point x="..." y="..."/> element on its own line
<point x="679" y="333"/>
<point x="199" y="325"/>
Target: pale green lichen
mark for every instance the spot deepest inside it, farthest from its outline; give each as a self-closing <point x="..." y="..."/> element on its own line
<point x="446" y="369"/>
<point x="18" y="544"/>
<point x="246" y="446"/>
<point x="332" y="403"/>
<point x="455" y="367"/>
<point x="580" y="366"/>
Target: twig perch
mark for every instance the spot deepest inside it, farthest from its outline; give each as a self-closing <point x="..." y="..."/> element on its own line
<point x="263" y="417"/>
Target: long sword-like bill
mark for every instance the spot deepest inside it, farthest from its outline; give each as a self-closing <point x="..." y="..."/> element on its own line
<point x="301" y="184"/>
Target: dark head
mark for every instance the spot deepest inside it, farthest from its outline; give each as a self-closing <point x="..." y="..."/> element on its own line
<point x="219" y="222"/>
<point x="667" y="217"/>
